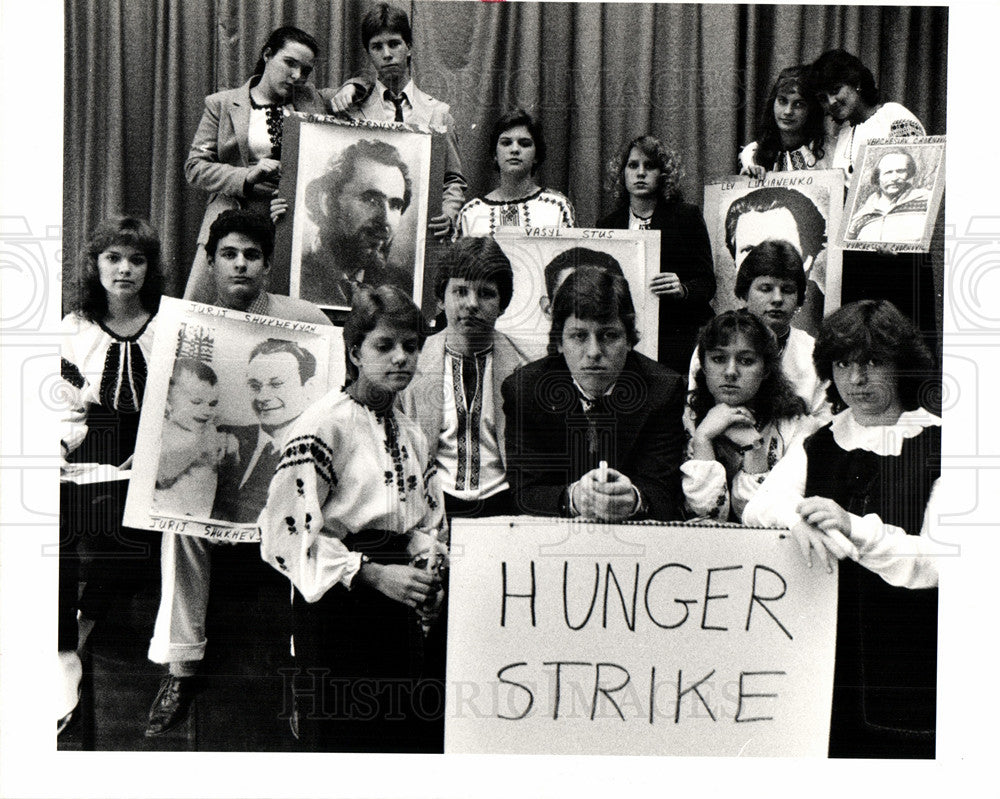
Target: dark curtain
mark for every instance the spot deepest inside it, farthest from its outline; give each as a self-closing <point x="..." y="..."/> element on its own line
<point x="596" y="75"/>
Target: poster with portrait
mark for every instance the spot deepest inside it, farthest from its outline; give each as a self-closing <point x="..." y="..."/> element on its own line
<point x="224" y="390"/>
<point x="358" y="195"/>
<point x="895" y="195"/>
<point x="540" y="256"/>
<point x="801" y="207"/>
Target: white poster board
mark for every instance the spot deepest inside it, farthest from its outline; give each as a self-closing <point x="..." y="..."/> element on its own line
<point x="197" y="459"/>
<point x="531" y="249"/>
<point x="895" y="195"/>
<point x="576" y="638"/>
<point x="803" y="208"/>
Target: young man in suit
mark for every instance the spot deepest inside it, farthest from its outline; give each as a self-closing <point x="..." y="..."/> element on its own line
<point x="278" y="379"/>
<point x="594" y="428"/>
<point x="455" y="395"/>
<point x="239" y="250"/>
<point x="394" y="97"/>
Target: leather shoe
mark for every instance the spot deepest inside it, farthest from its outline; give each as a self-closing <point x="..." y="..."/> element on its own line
<point x="171" y="704"/>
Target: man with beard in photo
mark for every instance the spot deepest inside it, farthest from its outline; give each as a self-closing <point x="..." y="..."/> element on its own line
<point x="895" y="211"/>
<point x="357" y="206"/>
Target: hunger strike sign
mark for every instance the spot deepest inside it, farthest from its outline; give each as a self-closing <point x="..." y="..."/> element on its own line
<point x="576" y="638"/>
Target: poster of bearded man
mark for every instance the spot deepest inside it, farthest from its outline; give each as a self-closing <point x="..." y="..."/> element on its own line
<point x="357" y="194"/>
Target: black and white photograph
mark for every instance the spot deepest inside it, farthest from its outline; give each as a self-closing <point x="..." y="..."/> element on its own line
<point x="542" y="258"/>
<point x="471" y="380"/>
<point x="220" y="401"/>
<point x="361" y="193"/>
<point x="894" y="197"/>
<point x="800" y="207"/>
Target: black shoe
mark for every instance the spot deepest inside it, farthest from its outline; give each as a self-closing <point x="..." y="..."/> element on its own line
<point x="171" y="704"/>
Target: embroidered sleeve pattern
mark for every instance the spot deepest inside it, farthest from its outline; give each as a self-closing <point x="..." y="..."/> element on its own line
<point x="905" y="128"/>
<point x="292" y="520"/>
<point x="705" y="491"/>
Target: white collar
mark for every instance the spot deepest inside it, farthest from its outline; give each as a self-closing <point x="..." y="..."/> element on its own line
<point x="409" y="90"/>
<point x="586" y="395"/>
<point x="886" y="439"/>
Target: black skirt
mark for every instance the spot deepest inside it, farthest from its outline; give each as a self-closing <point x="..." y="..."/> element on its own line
<point x="360" y="683"/>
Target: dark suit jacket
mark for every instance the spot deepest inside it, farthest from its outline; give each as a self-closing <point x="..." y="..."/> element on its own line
<point x="549" y="438"/>
<point x="321" y="279"/>
<point x="233" y="503"/>
<point x="686" y="251"/>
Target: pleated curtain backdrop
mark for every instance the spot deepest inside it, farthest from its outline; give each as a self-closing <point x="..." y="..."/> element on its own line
<point x="595" y="74"/>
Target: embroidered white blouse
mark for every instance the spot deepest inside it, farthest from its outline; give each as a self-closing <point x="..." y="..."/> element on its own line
<point x="345" y="469"/>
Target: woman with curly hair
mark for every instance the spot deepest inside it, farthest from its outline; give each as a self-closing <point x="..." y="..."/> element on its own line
<point x="860" y="490"/>
<point x="106" y="343"/>
<point x="743" y="416"/>
<point x="643" y="179"/>
<point x="790" y="131"/>
<point x="517" y="148"/>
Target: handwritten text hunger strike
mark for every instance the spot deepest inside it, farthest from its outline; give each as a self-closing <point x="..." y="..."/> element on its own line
<point x="669" y="591"/>
<point x="636" y="639"/>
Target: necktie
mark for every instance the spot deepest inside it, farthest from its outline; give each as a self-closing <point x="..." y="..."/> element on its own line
<point x="398" y="102"/>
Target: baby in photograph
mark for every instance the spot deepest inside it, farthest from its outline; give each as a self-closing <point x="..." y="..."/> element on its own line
<point x="191" y="444"/>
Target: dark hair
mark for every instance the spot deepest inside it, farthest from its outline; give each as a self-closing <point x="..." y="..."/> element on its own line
<point x="810" y="222"/>
<point x="307" y="361"/>
<point x="194" y="367"/>
<point x="838" y="67"/>
<point x="667" y="160"/>
<point x="127" y="231"/>
<point x="385" y="18"/>
<point x="576" y="257"/>
<point x="768" y="135"/>
<point x="874" y="330"/>
<point x="594" y="294"/>
<point x="476" y="259"/>
<point x="515" y="118"/>
<point x="373" y="305"/>
<point x="251" y="224"/>
<point x="776" y="398"/>
<point x="341" y="171"/>
<point x="279" y="38"/>
<point x="911" y="165"/>
<point x="772" y="258"/>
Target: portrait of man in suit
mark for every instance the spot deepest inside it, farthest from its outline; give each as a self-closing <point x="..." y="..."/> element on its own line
<point x="279" y="383"/>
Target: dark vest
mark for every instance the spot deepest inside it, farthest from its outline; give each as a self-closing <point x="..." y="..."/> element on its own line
<point x="886" y="661"/>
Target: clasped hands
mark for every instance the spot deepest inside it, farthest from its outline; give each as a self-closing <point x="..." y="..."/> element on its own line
<point x="604" y="494"/>
<point x="417" y="584"/>
<point x="826" y="529"/>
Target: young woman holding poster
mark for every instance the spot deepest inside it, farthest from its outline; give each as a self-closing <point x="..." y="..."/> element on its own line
<point x="106" y="344"/>
<point x="354" y="518"/>
<point x="236" y="153"/>
<point x="643" y="179"/>
<point x="860" y="490"/>
<point x="846" y="89"/>
<point x="743" y="416"/>
<point x="517" y="149"/>
<point x="790" y="132"/>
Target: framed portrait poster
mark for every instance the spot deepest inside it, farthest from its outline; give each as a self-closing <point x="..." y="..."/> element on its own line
<point x="224" y="389"/>
<point x="895" y="195"/>
<point x="358" y="195"/>
<point x="540" y="256"/>
<point x="801" y="207"/>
